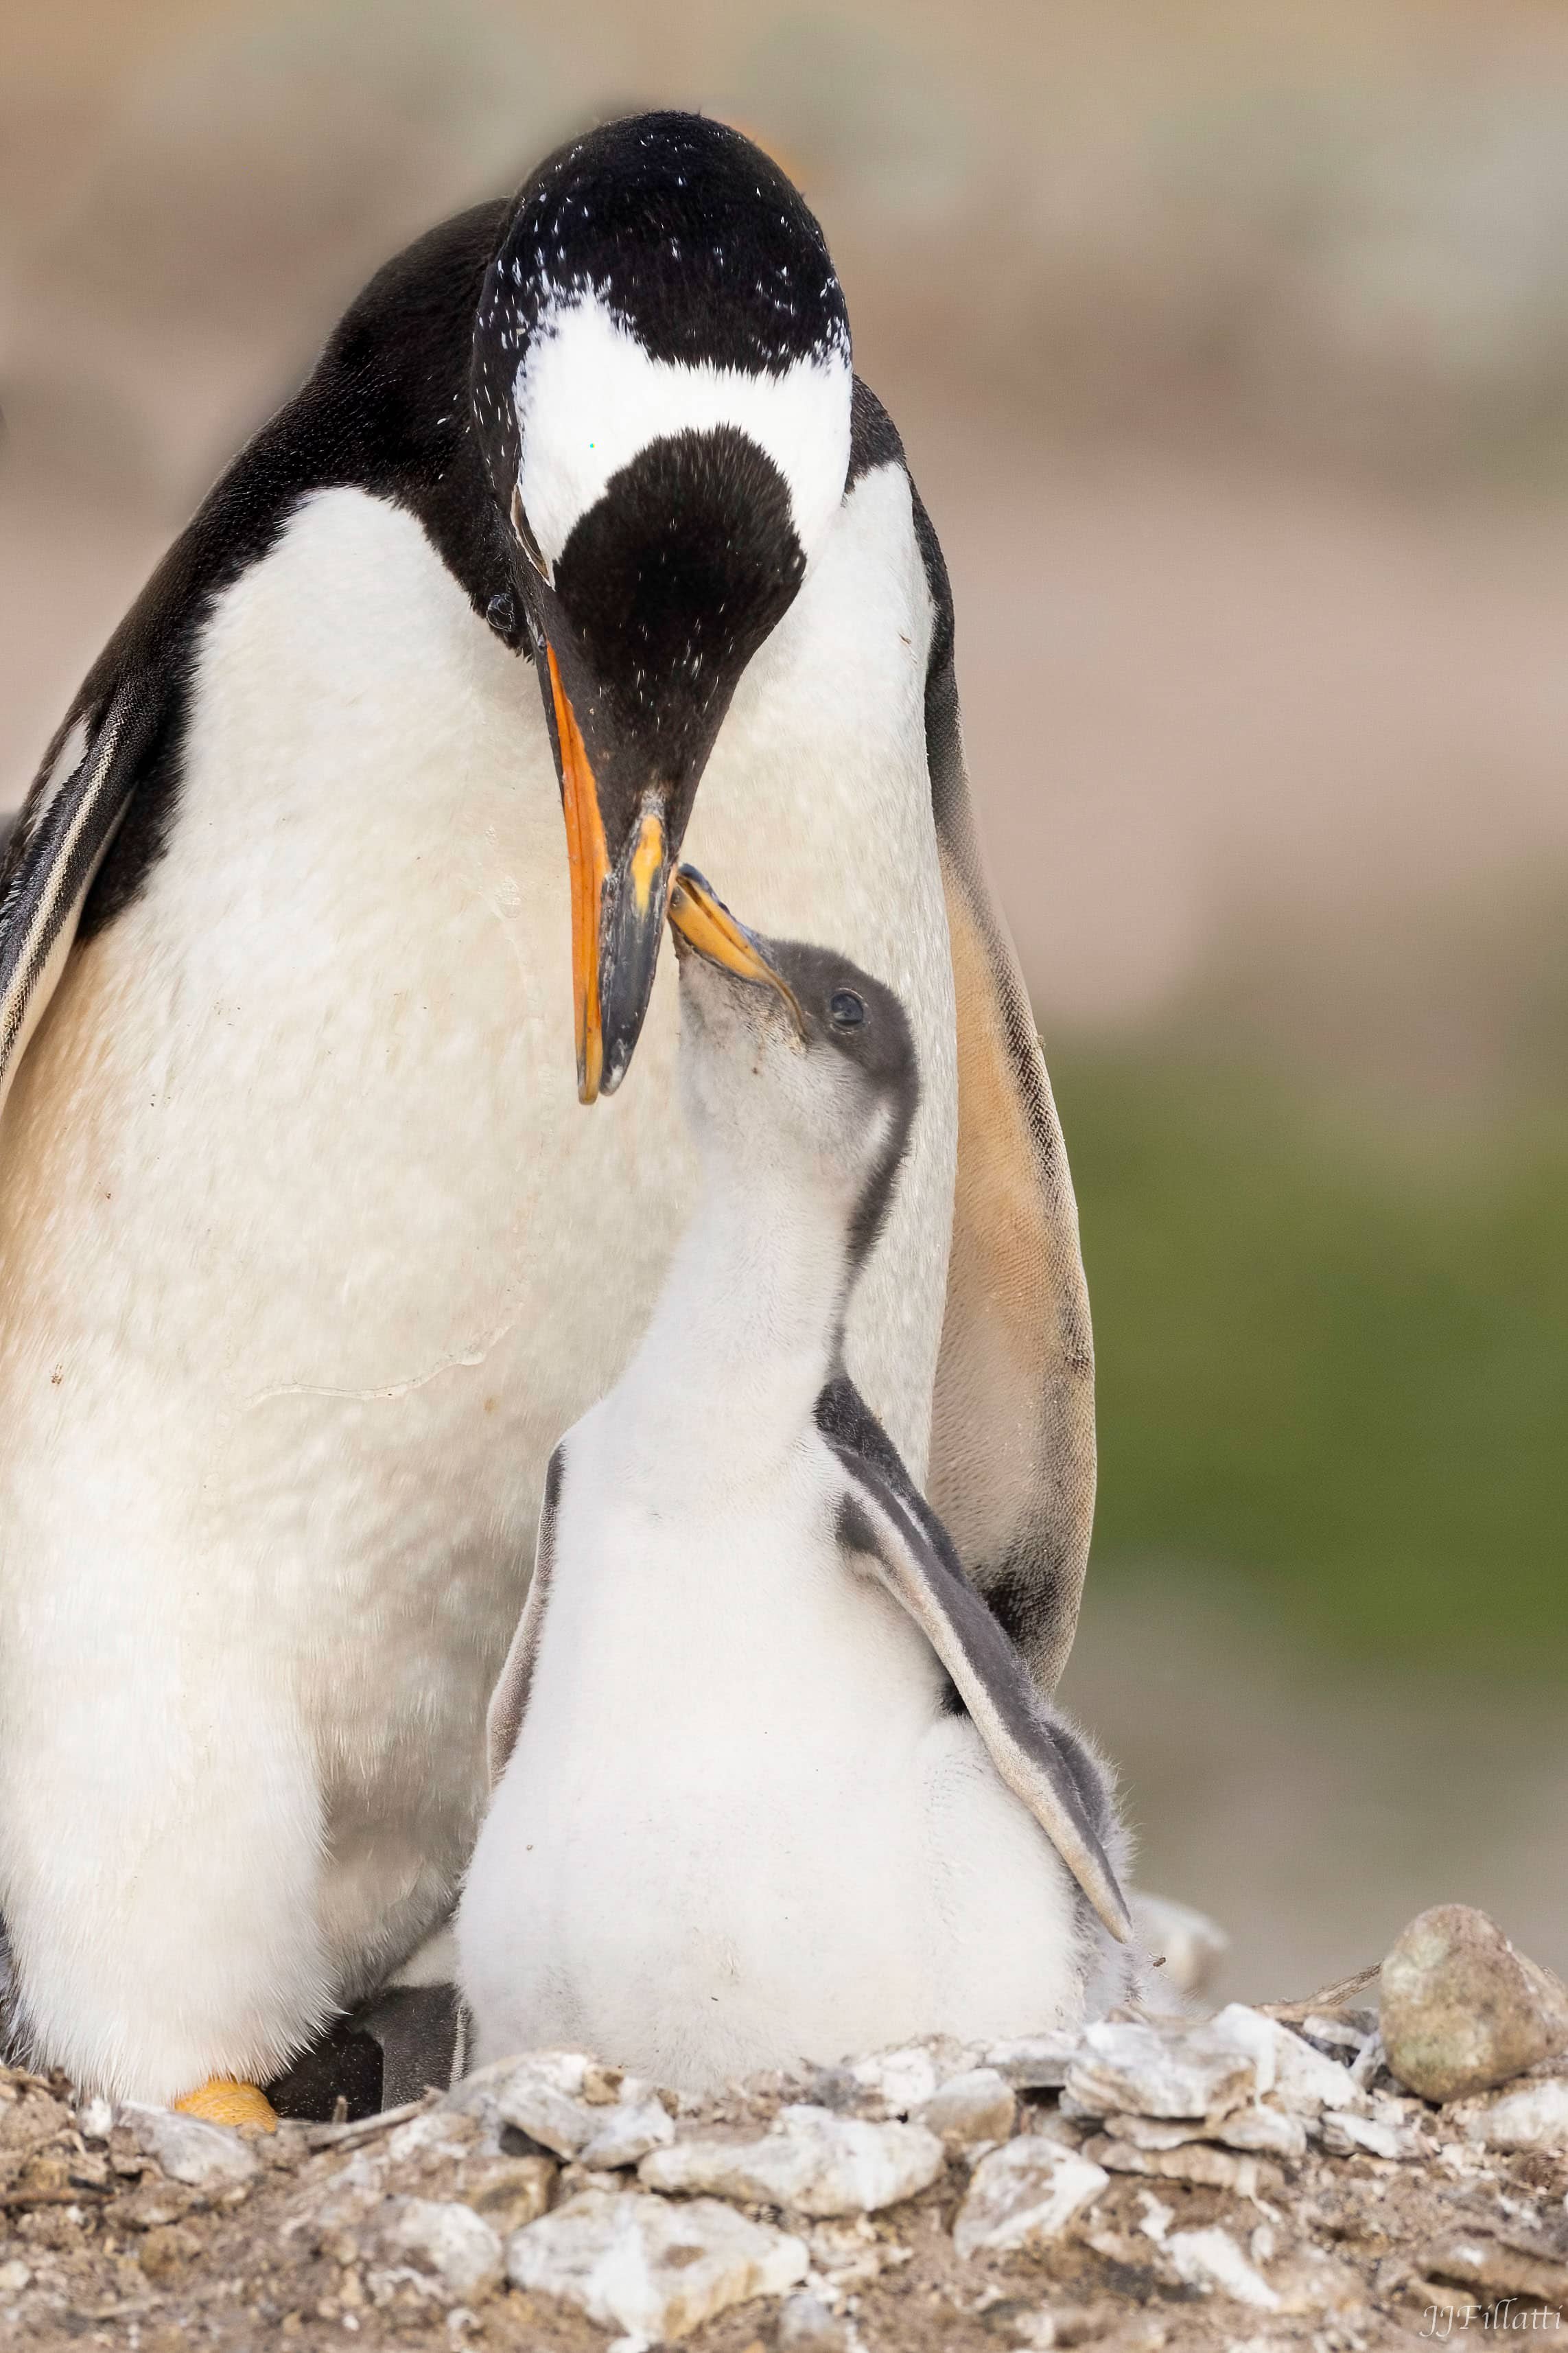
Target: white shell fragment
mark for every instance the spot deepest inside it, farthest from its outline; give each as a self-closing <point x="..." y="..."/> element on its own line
<point x="655" y="2270"/>
<point x="1024" y="2195"/>
<point x="810" y="2162"/>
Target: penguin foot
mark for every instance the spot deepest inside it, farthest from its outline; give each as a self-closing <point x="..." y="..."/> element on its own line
<point x="221" y="2100"/>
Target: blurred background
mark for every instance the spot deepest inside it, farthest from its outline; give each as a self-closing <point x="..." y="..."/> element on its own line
<point x="1230" y="346"/>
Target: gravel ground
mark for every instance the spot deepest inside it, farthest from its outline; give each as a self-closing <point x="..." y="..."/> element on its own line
<point x="146" y="2231"/>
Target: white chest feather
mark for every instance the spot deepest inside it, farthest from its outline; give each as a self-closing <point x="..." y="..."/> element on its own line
<point x="308" y="1253"/>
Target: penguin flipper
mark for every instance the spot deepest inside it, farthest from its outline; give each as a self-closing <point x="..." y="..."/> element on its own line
<point x="1012" y="1453"/>
<point x="55" y="850"/>
<point x="509" y="1700"/>
<point x="884" y="1518"/>
<point x="1013" y="1445"/>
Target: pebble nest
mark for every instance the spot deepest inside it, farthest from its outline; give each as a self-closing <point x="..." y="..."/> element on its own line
<point x="1255" y="2178"/>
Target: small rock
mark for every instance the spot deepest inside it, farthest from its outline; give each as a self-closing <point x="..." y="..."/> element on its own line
<point x="977" y="2105"/>
<point x="1461" y="2010"/>
<point x="1155" y="2132"/>
<point x="1298" y="2077"/>
<point x="1385" y="2133"/>
<point x="1159" y="2071"/>
<point x="95" y="2118"/>
<point x="635" y="2263"/>
<point x="1261" y="2130"/>
<point x="1197" y="2161"/>
<point x="1535" y="2116"/>
<point x="1190" y="1944"/>
<point x="203" y="2155"/>
<point x="442" y="2239"/>
<point x="508" y="2191"/>
<point x="569" y="2104"/>
<point x="630" y="2130"/>
<point x="542" y="2097"/>
<point x="1264" y="2131"/>
<point x="1211" y="2259"/>
<point x="897" y="2080"/>
<point x="1479" y="2261"/>
<point x="1024" y="2195"/>
<point x="810" y="2162"/>
<point x="807" y="2325"/>
<point x="166" y="2249"/>
<point x="13" y="2278"/>
<point x="1037" y="2062"/>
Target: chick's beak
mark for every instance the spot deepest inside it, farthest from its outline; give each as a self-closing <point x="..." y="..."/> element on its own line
<point x="618" y="910"/>
<point x="700" y="921"/>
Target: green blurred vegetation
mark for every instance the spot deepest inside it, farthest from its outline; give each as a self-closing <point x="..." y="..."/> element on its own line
<point x="1332" y="1354"/>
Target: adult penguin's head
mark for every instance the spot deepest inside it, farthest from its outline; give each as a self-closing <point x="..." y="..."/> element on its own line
<point x="661" y="389"/>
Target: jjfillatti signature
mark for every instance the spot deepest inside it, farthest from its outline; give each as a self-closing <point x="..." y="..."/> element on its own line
<point x="1443" y="2319"/>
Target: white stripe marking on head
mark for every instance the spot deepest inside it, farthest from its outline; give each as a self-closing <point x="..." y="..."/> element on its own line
<point x="589" y="397"/>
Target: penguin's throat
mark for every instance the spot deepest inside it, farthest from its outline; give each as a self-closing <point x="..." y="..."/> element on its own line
<point x="746" y="1327"/>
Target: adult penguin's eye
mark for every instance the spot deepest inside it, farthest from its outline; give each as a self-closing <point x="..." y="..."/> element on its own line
<point x="846" y="1008"/>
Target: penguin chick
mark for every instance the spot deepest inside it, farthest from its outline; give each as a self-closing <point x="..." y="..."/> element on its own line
<point x="771" y="1783"/>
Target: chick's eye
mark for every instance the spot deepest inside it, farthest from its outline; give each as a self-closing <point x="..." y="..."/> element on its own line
<point x="846" y="1010"/>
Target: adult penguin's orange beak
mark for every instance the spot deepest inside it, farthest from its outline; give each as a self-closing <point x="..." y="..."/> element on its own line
<point x="617" y="907"/>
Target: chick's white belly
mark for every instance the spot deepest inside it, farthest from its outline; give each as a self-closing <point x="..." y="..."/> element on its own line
<point x="744" y="1833"/>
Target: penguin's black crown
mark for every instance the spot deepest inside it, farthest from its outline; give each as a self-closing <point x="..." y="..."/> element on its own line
<point x="660" y="392"/>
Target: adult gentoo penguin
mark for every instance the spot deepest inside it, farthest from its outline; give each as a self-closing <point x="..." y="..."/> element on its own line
<point x="772" y="1776"/>
<point x="307" y="1254"/>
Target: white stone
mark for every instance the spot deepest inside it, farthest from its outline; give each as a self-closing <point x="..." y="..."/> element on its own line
<point x="1263" y="2130"/>
<point x="899" y="2079"/>
<point x="202" y="2156"/>
<point x="1211" y="2259"/>
<point x="1037" y="2063"/>
<point x="558" y="2099"/>
<point x="1143" y="2070"/>
<point x="1155" y="2132"/>
<point x="1198" y="2161"/>
<point x="95" y="2118"/>
<point x="13" y="2277"/>
<point x="977" y="2105"/>
<point x="1532" y="2116"/>
<point x="630" y="2129"/>
<point x="1300" y="2079"/>
<point x="1385" y="2133"/>
<point x="542" y="2097"/>
<point x="443" y="2239"/>
<point x="811" y="2162"/>
<point x="1024" y="2194"/>
<point x="631" y="2262"/>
